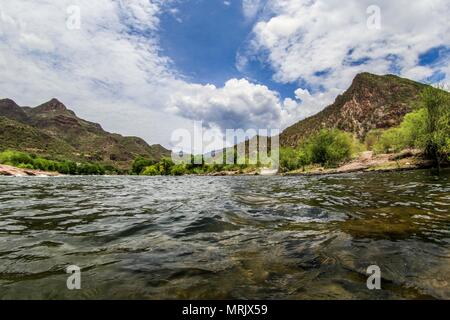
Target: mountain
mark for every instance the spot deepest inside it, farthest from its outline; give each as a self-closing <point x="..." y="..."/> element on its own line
<point x="9" y="109"/>
<point x="52" y="130"/>
<point x="371" y="102"/>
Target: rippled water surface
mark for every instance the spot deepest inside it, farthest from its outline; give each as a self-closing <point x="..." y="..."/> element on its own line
<point x="226" y="237"/>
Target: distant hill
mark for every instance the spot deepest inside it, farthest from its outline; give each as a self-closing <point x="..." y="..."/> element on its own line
<point x="52" y="130"/>
<point x="371" y="102"/>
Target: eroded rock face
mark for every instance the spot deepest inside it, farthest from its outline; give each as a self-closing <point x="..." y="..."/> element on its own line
<point x="371" y="102"/>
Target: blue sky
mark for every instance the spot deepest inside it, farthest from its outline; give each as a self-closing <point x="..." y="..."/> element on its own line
<point x="150" y="67"/>
<point x="203" y="38"/>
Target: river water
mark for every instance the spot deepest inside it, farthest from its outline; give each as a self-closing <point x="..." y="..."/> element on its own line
<point x="226" y="237"/>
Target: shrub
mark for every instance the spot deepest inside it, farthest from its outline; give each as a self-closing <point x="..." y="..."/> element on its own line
<point x="289" y="159"/>
<point x="26" y="161"/>
<point x="25" y="166"/>
<point x="178" y="170"/>
<point x="165" y="166"/>
<point x="427" y="128"/>
<point x="329" y="147"/>
<point x="413" y="128"/>
<point x="410" y="134"/>
<point x="151" y="171"/>
<point x="372" y="138"/>
<point x="41" y="164"/>
<point x="198" y="170"/>
<point x="15" y="158"/>
<point x="392" y="140"/>
<point x="140" y="163"/>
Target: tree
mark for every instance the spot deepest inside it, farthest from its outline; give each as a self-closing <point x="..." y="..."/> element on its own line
<point x="178" y="170"/>
<point x="437" y="129"/>
<point x="289" y="159"/>
<point x="413" y="127"/>
<point x="165" y="166"/>
<point x="140" y="163"/>
<point x="392" y="140"/>
<point x="151" y="171"/>
<point x="410" y="134"/>
<point x="329" y="147"/>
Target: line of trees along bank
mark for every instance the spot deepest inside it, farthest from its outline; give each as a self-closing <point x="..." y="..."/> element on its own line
<point x="29" y="161"/>
<point x="167" y="167"/>
<point x="328" y="147"/>
<point x="426" y="128"/>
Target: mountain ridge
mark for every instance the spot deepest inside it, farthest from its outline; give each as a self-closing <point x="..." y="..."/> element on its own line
<point x="371" y="102"/>
<point x="53" y="130"/>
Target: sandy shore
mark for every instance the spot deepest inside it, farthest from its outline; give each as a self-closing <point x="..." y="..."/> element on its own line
<point x="18" y="172"/>
<point x="368" y="161"/>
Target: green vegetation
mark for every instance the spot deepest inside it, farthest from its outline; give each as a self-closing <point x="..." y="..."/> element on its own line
<point x="52" y="131"/>
<point x="29" y="161"/>
<point x="197" y="165"/>
<point x="151" y="171"/>
<point x="436" y="140"/>
<point x="140" y="164"/>
<point x="328" y="147"/>
<point x="410" y="134"/>
<point x="390" y="99"/>
<point x="427" y="128"/>
<point x="290" y="159"/>
<point x="164" y="168"/>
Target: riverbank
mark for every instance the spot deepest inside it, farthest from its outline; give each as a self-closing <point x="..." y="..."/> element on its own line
<point x="370" y="162"/>
<point x="366" y="162"/>
<point x="19" y="172"/>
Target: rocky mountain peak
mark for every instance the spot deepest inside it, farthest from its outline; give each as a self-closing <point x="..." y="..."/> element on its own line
<point x="54" y="106"/>
<point x="10" y="109"/>
<point x="7" y="103"/>
<point x="371" y="102"/>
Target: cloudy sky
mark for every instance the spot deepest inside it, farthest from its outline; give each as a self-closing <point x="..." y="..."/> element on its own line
<point x="149" y="67"/>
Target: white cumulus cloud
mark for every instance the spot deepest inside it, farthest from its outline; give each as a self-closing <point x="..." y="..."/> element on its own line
<point x="326" y="43"/>
<point x="239" y="104"/>
<point x="112" y="70"/>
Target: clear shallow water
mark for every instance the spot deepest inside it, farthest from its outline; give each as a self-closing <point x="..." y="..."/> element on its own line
<point x="226" y="237"/>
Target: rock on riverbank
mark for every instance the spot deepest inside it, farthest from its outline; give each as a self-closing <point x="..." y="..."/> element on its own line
<point x="18" y="172"/>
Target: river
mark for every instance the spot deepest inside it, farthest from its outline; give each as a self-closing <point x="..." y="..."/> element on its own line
<point x="226" y="237"/>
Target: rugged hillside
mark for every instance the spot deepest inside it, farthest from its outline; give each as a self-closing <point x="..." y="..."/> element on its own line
<point x="371" y="102"/>
<point x="55" y="131"/>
